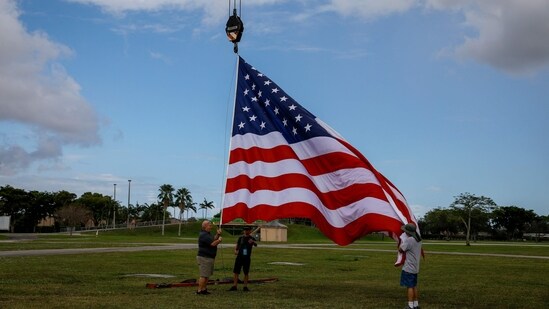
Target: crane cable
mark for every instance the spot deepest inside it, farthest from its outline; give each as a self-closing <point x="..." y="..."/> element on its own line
<point x="233" y="29"/>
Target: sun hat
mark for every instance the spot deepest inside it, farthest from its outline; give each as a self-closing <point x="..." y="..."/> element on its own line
<point x="409" y="228"/>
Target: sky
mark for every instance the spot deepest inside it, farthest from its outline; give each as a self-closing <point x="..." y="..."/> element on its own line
<point x="442" y="96"/>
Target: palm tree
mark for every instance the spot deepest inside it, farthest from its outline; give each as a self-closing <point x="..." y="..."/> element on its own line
<point x="154" y="210"/>
<point x="166" y="197"/>
<point x="182" y="198"/>
<point x="206" y="205"/>
<point x="190" y="206"/>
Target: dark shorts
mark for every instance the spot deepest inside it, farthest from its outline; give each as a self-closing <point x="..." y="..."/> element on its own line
<point x="408" y="280"/>
<point x="242" y="263"/>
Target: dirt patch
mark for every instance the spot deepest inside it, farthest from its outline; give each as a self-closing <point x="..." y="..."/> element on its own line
<point x="21" y="236"/>
<point x="287" y="263"/>
<point x="150" y="275"/>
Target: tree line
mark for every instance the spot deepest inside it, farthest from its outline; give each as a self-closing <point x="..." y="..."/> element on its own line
<point x="27" y="209"/>
<point x="471" y="217"/>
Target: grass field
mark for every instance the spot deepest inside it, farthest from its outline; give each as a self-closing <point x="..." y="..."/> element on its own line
<point x="361" y="275"/>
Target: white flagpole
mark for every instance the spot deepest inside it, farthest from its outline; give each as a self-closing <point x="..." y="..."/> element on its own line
<point x="230" y="141"/>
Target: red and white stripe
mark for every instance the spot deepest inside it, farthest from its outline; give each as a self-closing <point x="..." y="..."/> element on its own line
<point x="324" y="179"/>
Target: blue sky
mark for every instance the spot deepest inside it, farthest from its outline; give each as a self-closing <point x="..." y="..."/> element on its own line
<point x="443" y="97"/>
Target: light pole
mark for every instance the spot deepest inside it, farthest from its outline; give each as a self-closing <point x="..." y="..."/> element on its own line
<point x="129" y="188"/>
<point x="114" y="212"/>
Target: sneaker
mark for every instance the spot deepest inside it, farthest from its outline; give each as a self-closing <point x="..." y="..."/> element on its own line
<point x="233" y="288"/>
<point x="245" y="289"/>
<point x="204" y="292"/>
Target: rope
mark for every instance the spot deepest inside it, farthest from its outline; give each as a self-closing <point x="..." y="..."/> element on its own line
<point x="228" y="133"/>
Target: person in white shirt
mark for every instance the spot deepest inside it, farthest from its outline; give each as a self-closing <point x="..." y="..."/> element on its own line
<point x="411" y="247"/>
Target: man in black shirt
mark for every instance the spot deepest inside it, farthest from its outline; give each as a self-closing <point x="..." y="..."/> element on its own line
<point x="243" y="252"/>
<point x="207" y="250"/>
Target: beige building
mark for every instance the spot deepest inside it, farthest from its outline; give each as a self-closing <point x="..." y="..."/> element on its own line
<point x="274" y="231"/>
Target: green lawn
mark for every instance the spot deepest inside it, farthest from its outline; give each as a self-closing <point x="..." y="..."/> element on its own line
<point x="361" y="275"/>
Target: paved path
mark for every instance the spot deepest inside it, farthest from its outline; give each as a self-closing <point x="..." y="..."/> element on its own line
<point x="94" y="250"/>
<point x="161" y="247"/>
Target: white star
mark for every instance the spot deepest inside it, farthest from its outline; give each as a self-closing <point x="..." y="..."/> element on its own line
<point x="246" y="92"/>
<point x="276" y="110"/>
<point x="267" y="83"/>
<point x="308" y="128"/>
<point x="267" y="102"/>
<point x="262" y="125"/>
<point x="292" y="107"/>
<point x="275" y="90"/>
<point x="241" y="125"/>
<point x="294" y="130"/>
<point x="247" y="77"/>
<point x="246" y="109"/>
<point x="298" y="118"/>
<point x="254" y="99"/>
<point x="259" y="93"/>
<point x="253" y="118"/>
<point x="285" y="122"/>
<point x="283" y="99"/>
<point x="260" y="74"/>
<point x="253" y="87"/>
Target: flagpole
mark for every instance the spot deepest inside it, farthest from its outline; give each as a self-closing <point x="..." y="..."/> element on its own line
<point x="230" y="140"/>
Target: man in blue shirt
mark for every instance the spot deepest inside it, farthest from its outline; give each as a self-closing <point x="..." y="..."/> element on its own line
<point x="207" y="250"/>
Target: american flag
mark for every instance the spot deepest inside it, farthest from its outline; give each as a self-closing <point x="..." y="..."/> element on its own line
<point x="286" y="163"/>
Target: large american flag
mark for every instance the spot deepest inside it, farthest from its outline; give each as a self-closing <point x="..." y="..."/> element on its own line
<point x="286" y="163"/>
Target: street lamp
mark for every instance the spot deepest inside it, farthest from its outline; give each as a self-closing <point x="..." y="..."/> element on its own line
<point x="129" y="188"/>
<point x="114" y="212"/>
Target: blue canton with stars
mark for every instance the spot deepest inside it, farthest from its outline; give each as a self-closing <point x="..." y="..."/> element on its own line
<point x="262" y="107"/>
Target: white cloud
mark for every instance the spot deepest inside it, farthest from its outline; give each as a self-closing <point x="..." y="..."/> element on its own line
<point x="434" y="189"/>
<point x="419" y="210"/>
<point x="36" y="92"/>
<point x="120" y="6"/>
<point x="369" y="9"/>
<point x="214" y="11"/>
<point x="511" y="35"/>
<point x="160" y="56"/>
<point x="447" y="4"/>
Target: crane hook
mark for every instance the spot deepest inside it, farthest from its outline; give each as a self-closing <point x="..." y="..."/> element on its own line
<point x="234" y="29"/>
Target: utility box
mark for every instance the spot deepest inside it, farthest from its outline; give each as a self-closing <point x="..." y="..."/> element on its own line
<point x="5" y="223"/>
